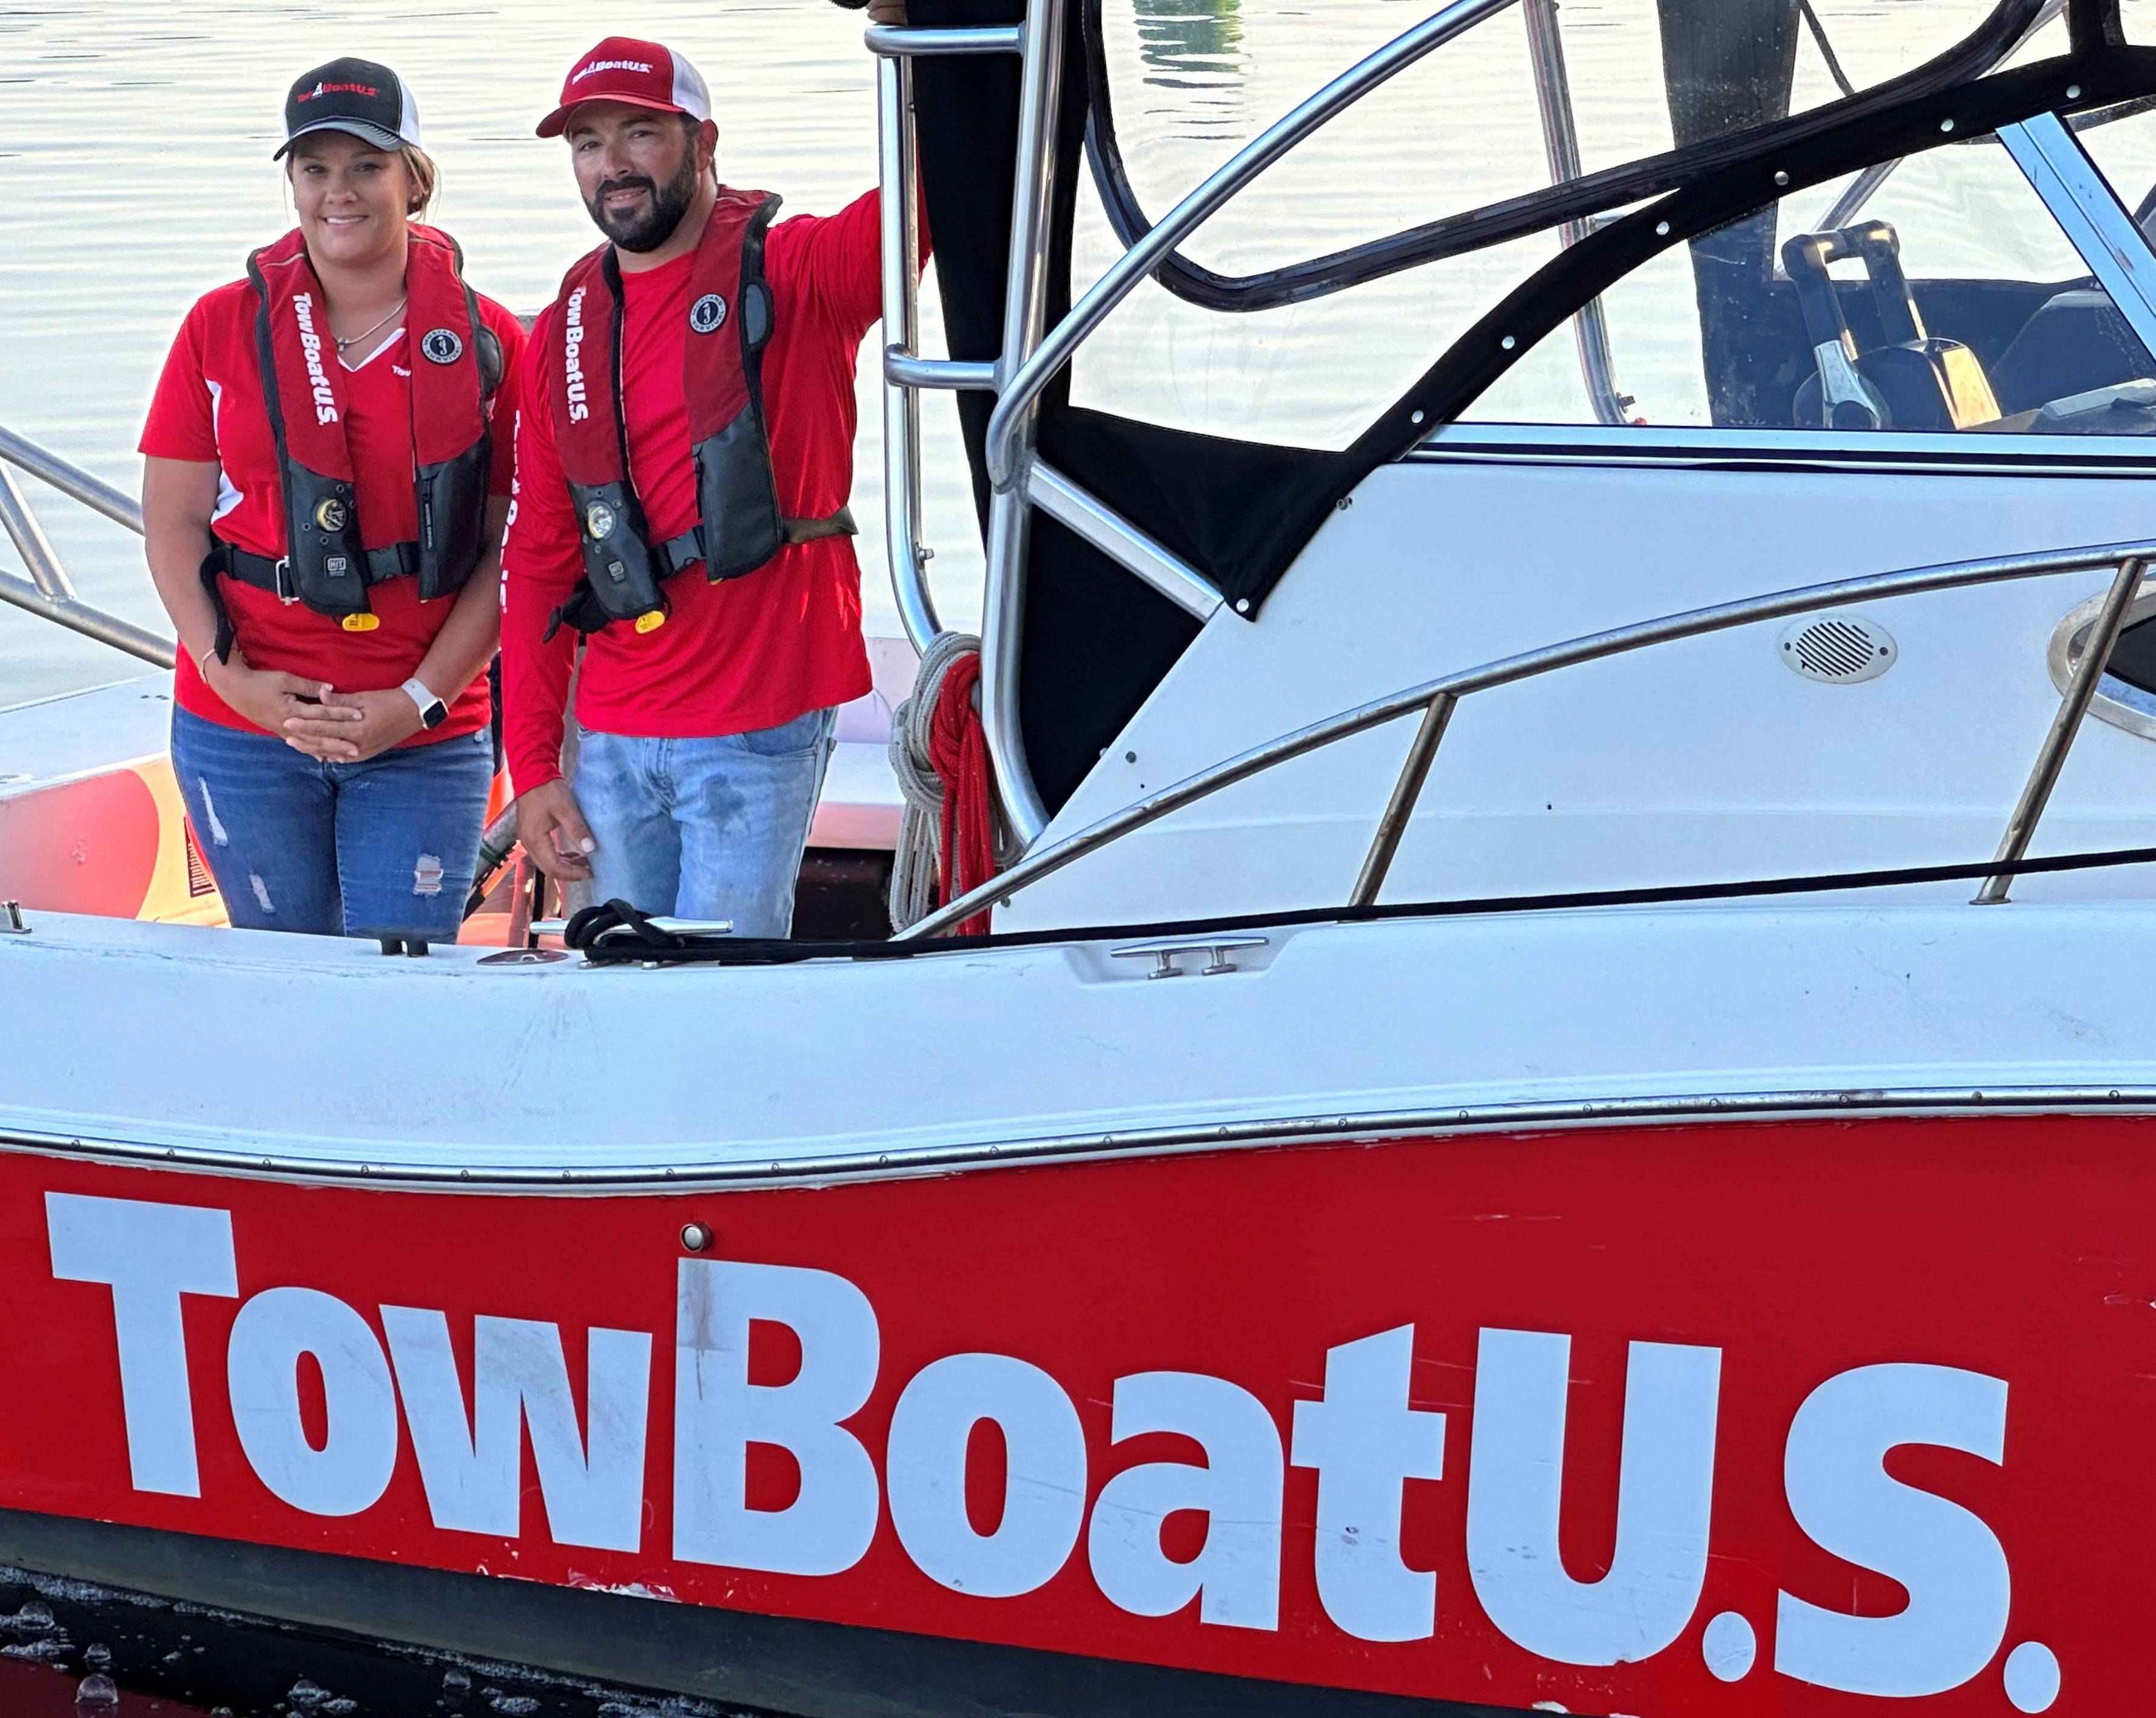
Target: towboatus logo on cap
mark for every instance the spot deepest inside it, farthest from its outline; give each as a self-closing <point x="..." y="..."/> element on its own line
<point x="358" y="96"/>
<point x="640" y="73"/>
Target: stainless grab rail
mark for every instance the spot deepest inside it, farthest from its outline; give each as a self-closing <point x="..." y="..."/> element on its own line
<point x="49" y="593"/>
<point x="904" y="371"/>
<point x="2073" y="707"/>
<point x="1116" y="538"/>
<point x="71" y="481"/>
<point x="1561" y="146"/>
<point x="1436" y="699"/>
<point x="1008" y="426"/>
<point x="1025" y="318"/>
<point x="911" y="41"/>
<point x="899" y="175"/>
<point x="1032" y="355"/>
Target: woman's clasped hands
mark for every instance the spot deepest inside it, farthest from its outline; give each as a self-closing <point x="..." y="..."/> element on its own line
<point x="312" y="716"/>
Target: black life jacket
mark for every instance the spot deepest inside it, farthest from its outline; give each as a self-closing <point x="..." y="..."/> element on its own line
<point x="329" y="559"/>
<point x="740" y="525"/>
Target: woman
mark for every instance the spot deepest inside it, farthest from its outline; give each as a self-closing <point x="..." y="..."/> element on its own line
<point x="326" y="479"/>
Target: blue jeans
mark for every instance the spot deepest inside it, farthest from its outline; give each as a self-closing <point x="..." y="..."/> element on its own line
<point x="378" y="849"/>
<point x="704" y="828"/>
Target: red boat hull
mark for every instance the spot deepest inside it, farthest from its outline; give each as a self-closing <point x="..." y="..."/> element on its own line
<point x="1900" y="1372"/>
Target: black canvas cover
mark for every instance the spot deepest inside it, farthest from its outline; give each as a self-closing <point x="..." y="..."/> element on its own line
<point x="1097" y="642"/>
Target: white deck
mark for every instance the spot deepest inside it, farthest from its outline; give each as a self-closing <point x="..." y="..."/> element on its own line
<point x="443" y="1064"/>
<point x="55" y="741"/>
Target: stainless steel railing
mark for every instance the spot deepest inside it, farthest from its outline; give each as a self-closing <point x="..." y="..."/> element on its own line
<point x="1032" y="355"/>
<point x="1561" y="146"/>
<point x="49" y="593"/>
<point x="1040" y="43"/>
<point x="1007" y="451"/>
<point x="1435" y="700"/>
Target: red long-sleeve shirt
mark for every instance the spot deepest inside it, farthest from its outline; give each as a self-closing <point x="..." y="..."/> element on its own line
<point x="751" y="652"/>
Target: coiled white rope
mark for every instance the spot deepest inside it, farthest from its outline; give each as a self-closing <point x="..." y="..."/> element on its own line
<point x="919" y="857"/>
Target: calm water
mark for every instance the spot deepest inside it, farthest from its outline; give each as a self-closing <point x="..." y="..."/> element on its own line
<point x="135" y="174"/>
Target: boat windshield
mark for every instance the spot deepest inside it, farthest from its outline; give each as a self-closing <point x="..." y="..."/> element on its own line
<point x="1934" y="294"/>
<point x="1534" y="96"/>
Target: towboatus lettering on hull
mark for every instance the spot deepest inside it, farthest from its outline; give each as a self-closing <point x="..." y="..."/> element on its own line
<point x="1658" y="1421"/>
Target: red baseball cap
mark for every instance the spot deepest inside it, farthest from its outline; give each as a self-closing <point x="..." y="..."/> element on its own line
<point x="642" y="74"/>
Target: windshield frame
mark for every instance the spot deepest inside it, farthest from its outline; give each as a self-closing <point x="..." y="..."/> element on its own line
<point x="1518" y="217"/>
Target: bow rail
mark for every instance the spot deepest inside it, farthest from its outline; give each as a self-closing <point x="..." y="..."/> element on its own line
<point x="49" y="593"/>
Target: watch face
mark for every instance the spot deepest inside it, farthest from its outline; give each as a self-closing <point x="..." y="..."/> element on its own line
<point x="435" y="714"/>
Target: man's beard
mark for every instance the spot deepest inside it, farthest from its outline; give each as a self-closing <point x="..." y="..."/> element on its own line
<point x="660" y="216"/>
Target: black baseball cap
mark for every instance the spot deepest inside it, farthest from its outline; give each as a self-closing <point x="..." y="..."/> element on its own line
<point x="355" y="96"/>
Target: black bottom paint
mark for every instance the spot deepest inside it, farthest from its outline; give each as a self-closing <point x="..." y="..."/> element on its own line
<point x="179" y="1658"/>
<point x="219" y="1623"/>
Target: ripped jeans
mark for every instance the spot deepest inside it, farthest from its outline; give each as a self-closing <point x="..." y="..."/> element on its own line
<point x="383" y="848"/>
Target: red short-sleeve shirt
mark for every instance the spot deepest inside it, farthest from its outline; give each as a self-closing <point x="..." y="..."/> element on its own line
<point x="209" y="405"/>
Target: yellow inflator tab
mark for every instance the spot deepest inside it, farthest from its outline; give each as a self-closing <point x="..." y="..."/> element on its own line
<point x="651" y="621"/>
<point x="360" y="623"/>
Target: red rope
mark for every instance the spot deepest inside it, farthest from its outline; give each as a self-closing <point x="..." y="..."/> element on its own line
<point x="958" y="751"/>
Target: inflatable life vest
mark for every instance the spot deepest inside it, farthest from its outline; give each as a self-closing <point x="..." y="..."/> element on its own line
<point x="457" y="364"/>
<point x="740" y="527"/>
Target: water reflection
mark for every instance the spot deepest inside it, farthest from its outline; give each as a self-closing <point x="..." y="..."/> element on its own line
<point x="1196" y="46"/>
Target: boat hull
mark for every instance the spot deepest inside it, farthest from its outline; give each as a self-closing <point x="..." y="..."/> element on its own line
<point x="1728" y="1417"/>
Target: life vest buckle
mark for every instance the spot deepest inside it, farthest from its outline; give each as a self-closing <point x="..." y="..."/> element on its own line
<point x="287" y="592"/>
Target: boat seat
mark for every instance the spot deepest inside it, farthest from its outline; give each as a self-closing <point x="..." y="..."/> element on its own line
<point x="2077" y="342"/>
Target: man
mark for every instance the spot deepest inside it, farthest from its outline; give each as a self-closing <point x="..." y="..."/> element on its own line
<point x="691" y="523"/>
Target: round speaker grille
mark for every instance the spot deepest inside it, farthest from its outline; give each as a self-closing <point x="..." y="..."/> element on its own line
<point x="1838" y="650"/>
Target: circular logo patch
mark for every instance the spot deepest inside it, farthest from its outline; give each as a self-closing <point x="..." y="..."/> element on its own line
<point x="442" y="345"/>
<point x="707" y="312"/>
<point x="598" y="520"/>
<point x="332" y="515"/>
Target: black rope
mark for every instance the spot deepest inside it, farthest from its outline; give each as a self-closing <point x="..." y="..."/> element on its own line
<point x="651" y="947"/>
